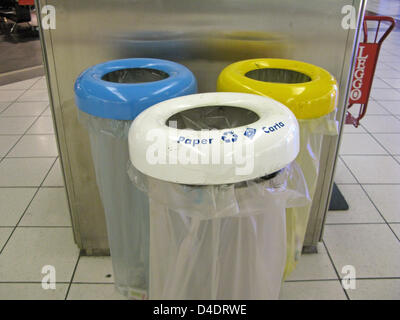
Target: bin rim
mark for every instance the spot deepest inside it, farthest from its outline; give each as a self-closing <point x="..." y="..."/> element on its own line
<point x="307" y="100"/>
<point x="124" y="101"/>
<point x="274" y="138"/>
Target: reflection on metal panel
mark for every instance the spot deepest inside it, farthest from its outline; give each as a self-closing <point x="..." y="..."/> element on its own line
<point x="204" y="35"/>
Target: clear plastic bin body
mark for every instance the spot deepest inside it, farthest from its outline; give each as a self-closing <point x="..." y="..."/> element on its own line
<point x="125" y="206"/>
<point x="223" y="241"/>
<point x="312" y="132"/>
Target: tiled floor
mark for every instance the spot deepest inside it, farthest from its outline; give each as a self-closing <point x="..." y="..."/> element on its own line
<point x="368" y="173"/>
<point x="35" y="228"/>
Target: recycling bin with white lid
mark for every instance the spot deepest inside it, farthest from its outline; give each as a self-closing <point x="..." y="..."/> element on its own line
<point x="218" y="171"/>
<point x="311" y="93"/>
<point x="109" y="96"/>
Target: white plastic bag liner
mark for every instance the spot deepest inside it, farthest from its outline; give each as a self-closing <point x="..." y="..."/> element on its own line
<point x="221" y="241"/>
<point x="312" y="132"/>
<point x="127" y="231"/>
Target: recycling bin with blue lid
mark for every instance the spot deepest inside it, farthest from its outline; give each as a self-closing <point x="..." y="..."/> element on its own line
<point x="109" y="96"/>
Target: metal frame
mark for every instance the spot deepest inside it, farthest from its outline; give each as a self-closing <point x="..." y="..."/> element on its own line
<point x="86" y="210"/>
<point x="331" y="145"/>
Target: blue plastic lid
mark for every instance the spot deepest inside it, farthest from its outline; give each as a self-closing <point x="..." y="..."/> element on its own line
<point x="121" y="89"/>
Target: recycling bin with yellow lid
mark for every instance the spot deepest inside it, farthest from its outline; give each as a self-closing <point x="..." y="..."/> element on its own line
<point x="310" y="92"/>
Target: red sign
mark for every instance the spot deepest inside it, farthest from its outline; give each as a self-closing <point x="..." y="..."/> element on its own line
<point x="363" y="72"/>
<point x="26" y="2"/>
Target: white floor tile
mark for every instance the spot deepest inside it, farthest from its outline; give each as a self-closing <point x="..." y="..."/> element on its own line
<point x="35" y="146"/>
<point x="342" y="174"/>
<point x="361" y="210"/>
<point x="4" y="235"/>
<point x="391" y="141"/>
<point x="312" y="290"/>
<point x="387" y="200"/>
<point x="94" y="292"/>
<point x="314" y="266"/>
<point x="43" y="125"/>
<point x="23" y="172"/>
<point x="10" y="95"/>
<point x="361" y="143"/>
<point x="31" y="291"/>
<point x="30" y="249"/>
<point x="55" y="177"/>
<point x="375" y="108"/>
<point x="392" y="106"/>
<point x="48" y="208"/>
<point x="34" y="95"/>
<point x="374" y="169"/>
<point x="387" y="75"/>
<point x="381" y="124"/>
<point x="376" y="289"/>
<point x="25" y="109"/>
<point x="349" y="128"/>
<point x="20" y="85"/>
<point x="385" y="94"/>
<point x="16" y="125"/>
<point x="13" y="202"/>
<point x="6" y="143"/>
<point x="379" y="84"/>
<point x="372" y="249"/>
<point x="94" y="269"/>
<point x="395" y="83"/>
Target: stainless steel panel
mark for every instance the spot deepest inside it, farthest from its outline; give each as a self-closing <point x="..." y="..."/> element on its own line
<point x="204" y="35"/>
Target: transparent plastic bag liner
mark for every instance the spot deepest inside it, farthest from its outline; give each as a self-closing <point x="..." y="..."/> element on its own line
<point x="126" y="207"/>
<point x="287" y="189"/>
<point x="312" y="133"/>
<point x="220" y="242"/>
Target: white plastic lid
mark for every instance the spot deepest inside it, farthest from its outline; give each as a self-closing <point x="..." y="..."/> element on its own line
<point x="213" y="138"/>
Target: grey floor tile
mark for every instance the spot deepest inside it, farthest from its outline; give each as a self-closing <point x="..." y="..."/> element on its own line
<point x="376" y="289"/>
<point x="48" y="208"/>
<point x="6" y="143"/>
<point x="94" y="269"/>
<point x="24" y="172"/>
<point x="34" y="95"/>
<point x="94" y="292"/>
<point x="30" y="249"/>
<point x="55" y="177"/>
<point x="312" y="290"/>
<point x="396" y="229"/>
<point x="43" y="125"/>
<point x="13" y="202"/>
<point x="4" y="106"/>
<point x="23" y="109"/>
<point x="17" y="125"/>
<point x="4" y="235"/>
<point x="372" y="249"/>
<point x="20" y="85"/>
<point x="31" y="291"/>
<point x="10" y="95"/>
<point x="35" y="146"/>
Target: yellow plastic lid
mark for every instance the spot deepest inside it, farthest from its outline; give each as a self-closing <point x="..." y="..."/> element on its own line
<point x="307" y="90"/>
